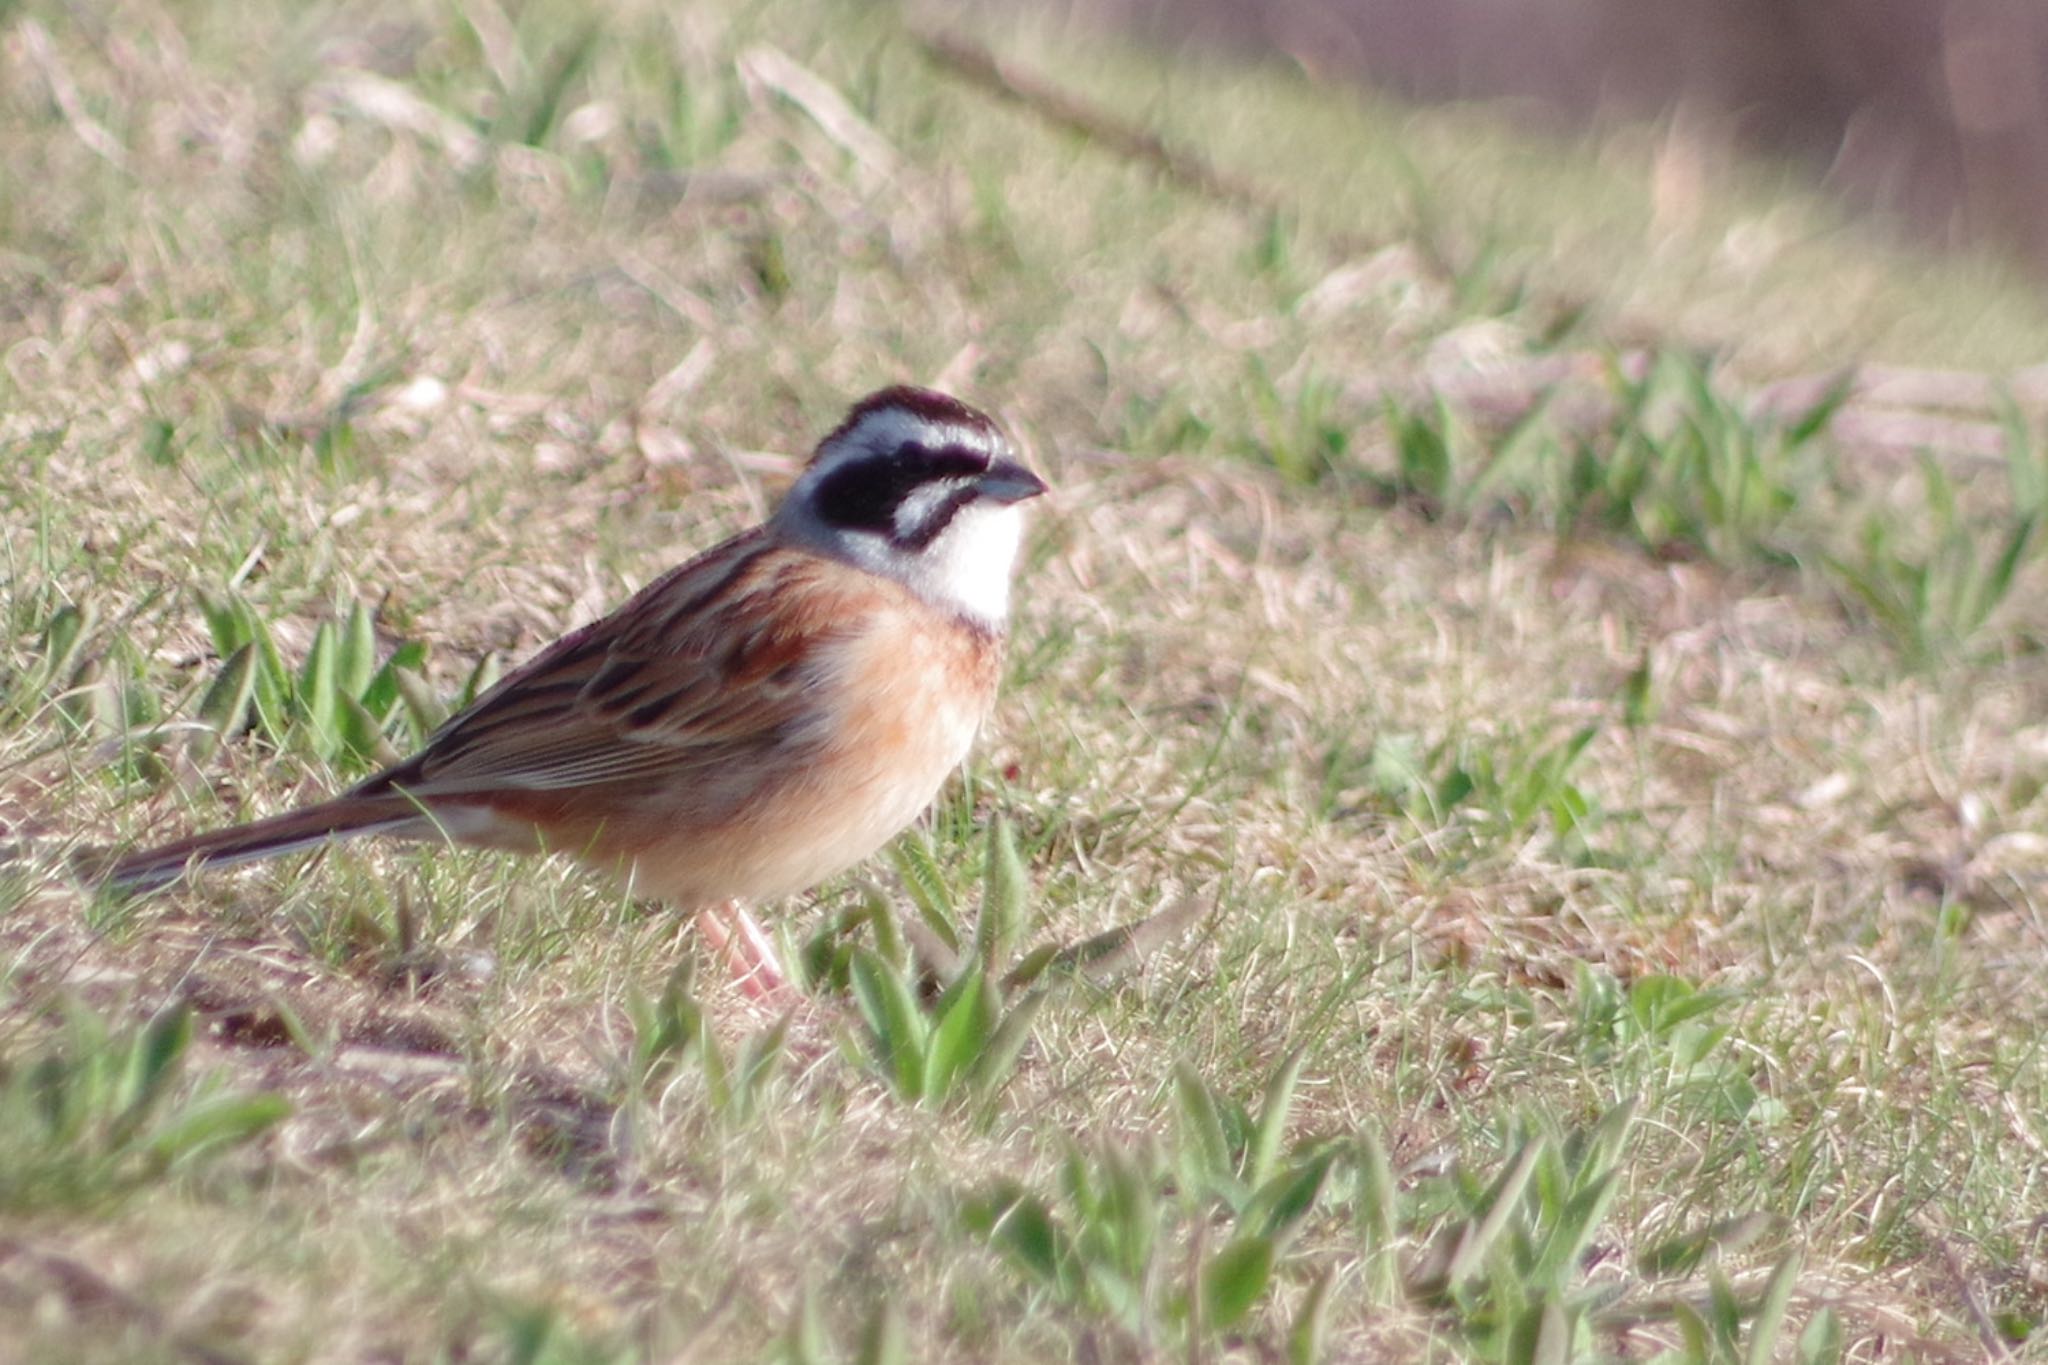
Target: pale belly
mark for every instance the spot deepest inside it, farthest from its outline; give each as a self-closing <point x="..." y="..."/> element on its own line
<point x="908" y="724"/>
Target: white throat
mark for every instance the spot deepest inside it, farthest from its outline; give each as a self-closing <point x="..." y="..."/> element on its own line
<point x="969" y="565"/>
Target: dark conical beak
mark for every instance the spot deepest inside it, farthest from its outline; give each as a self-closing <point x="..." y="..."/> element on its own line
<point x="1008" y="481"/>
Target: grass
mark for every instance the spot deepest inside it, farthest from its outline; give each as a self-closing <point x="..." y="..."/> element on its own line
<point x="1497" y="844"/>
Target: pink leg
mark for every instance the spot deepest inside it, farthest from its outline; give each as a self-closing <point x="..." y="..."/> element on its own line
<point x="750" y="955"/>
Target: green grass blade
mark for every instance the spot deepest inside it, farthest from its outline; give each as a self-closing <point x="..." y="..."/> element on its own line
<point x="1822" y="1341"/>
<point x="1378" y="1219"/>
<point x="481" y="680"/>
<point x="886" y="1339"/>
<point x="381" y="694"/>
<point x="355" y="661"/>
<point x="154" y="1058"/>
<point x="1769" y="1323"/>
<point x="1502" y="1205"/>
<point x="1283" y="1202"/>
<point x="227" y="621"/>
<point x="966" y="1019"/>
<point x="64" y="634"/>
<point x="273" y="682"/>
<point x="225" y="706"/>
<point x="806" y="1342"/>
<point x="1235" y="1278"/>
<point x="896" y="1029"/>
<point x="1308" y="1336"/>
<point x="538" y="109"/>
<point x="319" y="691"/>
<point x="1005" y="890"/>
<point x="1006" y="1044"/>
<point x="1542" y="1335"/>
<point x="422" y="707"/>
<point x="225" y="1121"/>
<point x="1202" y="1143"/>
<point x="926" y="883"/>
<point x="1577" y="1222"/>
<point x="1263" y="1155"/>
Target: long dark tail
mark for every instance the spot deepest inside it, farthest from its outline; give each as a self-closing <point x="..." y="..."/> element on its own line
<point x="340" y="818"/>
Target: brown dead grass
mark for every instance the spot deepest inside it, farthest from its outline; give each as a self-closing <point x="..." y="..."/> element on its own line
<point x="492" y="387"/>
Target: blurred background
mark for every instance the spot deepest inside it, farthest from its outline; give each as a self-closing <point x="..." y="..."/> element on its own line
<point x="1927" y="113"/>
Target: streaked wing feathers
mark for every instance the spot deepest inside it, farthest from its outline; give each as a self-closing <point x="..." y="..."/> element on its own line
<point x="691" y="675"/>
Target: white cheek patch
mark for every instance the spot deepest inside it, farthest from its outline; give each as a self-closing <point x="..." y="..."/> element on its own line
<point x="915" y="511"/>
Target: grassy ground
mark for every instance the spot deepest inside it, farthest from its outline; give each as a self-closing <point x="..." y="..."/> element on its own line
<point x="1583" y="818"/>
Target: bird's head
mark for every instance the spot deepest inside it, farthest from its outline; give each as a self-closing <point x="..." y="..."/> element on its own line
<point x="924" y="489"/>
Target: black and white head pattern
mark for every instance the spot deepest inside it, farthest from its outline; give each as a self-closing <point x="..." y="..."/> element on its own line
<point x="923" y="488"/>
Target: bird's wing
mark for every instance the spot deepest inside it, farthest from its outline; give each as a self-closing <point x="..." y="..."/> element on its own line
<point x="708" y="665"/>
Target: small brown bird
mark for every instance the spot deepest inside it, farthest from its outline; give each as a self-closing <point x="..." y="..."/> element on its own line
<point x="748" y="724"/>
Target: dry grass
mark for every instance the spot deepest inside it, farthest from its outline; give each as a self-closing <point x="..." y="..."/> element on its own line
<point x="295" y="307"/>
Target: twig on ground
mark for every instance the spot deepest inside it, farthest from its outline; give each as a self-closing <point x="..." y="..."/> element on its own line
<point x="975" y="62"/>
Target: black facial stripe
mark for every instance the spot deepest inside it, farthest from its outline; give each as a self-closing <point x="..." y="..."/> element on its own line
<point x="928" y="530"/>
<point x="865" y="493"/>
<point x="943" y="462"/>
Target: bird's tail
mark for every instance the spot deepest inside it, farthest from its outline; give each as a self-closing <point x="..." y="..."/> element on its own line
<point x="340" y="818"/>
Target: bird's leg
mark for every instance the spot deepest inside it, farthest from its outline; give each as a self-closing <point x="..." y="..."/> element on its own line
<point x="730" y="930"/>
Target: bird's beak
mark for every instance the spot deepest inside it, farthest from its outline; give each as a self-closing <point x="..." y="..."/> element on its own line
<point x="1008" y="481"/>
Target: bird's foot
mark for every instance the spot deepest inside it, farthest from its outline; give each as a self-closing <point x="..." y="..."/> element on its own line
<point x="748" y="953"/>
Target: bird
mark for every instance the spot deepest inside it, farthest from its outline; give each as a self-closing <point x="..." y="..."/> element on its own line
<point x="748" y="724"/>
